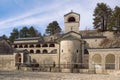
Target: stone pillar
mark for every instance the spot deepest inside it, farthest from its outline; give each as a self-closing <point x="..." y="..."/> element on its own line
<point x="83" y="47"/>
<point x="103" y="62"/>
<point x="119" y="62"/>
<point x="90" y="62"/>
<point x="22" y="57"/>
<point x="116" y="62"/>
<point x="59" y="58"/>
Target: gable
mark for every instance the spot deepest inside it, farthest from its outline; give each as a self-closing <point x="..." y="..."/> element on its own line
<point x="5" y="47"/>
<point x="71" y="13"/>
<point x="70" y="36"/>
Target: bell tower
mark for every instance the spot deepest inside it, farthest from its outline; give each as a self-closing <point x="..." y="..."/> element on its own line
<point x="71" y="22"/>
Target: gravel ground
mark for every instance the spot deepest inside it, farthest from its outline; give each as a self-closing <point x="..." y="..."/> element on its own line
<point x="19" y="75"/>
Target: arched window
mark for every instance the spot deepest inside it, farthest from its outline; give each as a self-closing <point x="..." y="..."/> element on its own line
<point x="15" y="46"/>
<point x="97" y="59"/>
<point x="31" y="51"/>
<point x="52" y="45"/>
<point x="31" y="46"/>
<point x="45" y="51"/>
<point x="37" y="51"/>
<point x="44" y="45"/>
<point x="38" y="45"/>
<point x="71" y="19"/>
<point x="110" y="61"/>
<point x="26" y="46"/>
<point x="20" y="46"/>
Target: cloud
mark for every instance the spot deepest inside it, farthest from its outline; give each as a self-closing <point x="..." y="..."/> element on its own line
<point x="42" y="14"/>
<point x="30" y="16"/>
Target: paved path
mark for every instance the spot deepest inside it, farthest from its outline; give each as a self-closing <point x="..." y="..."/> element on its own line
<point x="19" y="75"/>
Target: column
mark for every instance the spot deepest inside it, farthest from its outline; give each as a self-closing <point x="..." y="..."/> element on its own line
<point x="90" y="62"/>
<point x="103" y="62"/>
<point x="83" y="47"/>
<point x="116" y="62"/>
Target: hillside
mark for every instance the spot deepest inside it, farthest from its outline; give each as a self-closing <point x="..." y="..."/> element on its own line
<point x="110" y="43"/>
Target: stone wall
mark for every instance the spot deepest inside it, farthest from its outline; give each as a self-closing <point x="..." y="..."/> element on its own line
<point x="7" y="62"/>
<point x="109" y="34"/>
<point x="70" y="51"/>
<point x="93" y="42"/>
<point x="44" y="58"/>
<point x="104" y="59"/>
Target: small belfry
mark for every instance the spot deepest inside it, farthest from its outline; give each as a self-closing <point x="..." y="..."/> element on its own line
<point x="71" y="22"/>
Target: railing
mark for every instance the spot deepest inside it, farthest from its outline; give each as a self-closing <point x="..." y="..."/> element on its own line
<point x="75" y="66"/>
<point x="107" y="66"/>
<point x="110" y="66"/>
<point x="60" y="66"/>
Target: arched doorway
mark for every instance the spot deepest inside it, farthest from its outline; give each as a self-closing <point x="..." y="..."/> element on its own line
<point x="96" y="61"/>
<point x="18" y="59"/>
<point x="110" y="61"/>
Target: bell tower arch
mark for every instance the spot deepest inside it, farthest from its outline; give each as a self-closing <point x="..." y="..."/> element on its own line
<point x="71" y="22"/>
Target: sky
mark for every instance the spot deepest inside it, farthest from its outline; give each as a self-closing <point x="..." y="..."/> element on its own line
<point x="39" y="13"/>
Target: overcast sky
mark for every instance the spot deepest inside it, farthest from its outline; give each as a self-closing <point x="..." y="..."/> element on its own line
<point x="17" y="13"/>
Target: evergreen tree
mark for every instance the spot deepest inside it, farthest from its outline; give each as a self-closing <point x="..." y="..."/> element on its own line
<point x="101" y="16"/>
<point x="53" y="28"/>
<point x="14" y="35"/>
<point x="4" y="37"/>
<point x="24" y="32"/>
<point x="115" y="20"/>
<point x="33" y="32"/>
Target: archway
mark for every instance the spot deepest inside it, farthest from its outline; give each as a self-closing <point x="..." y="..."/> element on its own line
<point x="45" y="45"/>
<point x="52" y="45"/>
<point x="21" y="46"/>
<point x="97" y="59"/>
<point x="18" y="58"/>
<point x="71" y="19"/>
<point x="38" y="51"/>
<point x="26" y="46"/>
<point x="38" y="45"/>
<point x="110" y="61"/>
<point x="31" y="46"/>
<point x="15" y="46"/>
<point x="45" y="51"/>
<point x="31" y="51"/>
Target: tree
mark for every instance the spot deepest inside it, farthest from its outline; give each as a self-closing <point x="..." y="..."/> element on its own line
<point x="14" y="35"/>
<point x="53" y="28"/>
<point x="32" y="32"/>
<point x="4" y="37"/>
<point x="24" y="32"/>
<point x="101" y="16"/>
<point x="115" y="20"/>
